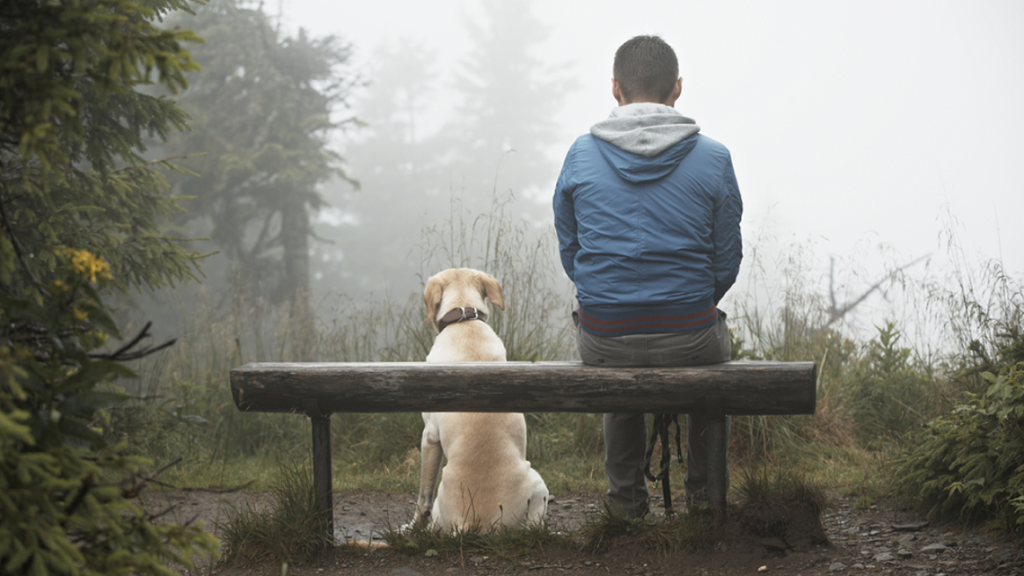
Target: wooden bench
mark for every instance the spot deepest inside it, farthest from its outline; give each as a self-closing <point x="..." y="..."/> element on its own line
<point x="321" y="389"/>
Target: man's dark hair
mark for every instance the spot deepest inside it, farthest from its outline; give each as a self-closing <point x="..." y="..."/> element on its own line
<point x="646" y="69"/>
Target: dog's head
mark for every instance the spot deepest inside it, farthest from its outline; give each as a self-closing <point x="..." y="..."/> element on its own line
<point x="460" y="287"/>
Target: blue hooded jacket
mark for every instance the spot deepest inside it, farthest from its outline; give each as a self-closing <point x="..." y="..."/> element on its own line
<point x="647" y="212"/>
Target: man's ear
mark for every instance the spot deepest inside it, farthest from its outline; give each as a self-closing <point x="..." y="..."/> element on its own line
<point x="677" y="90"/>
<point x="492" y="290"/>
<point x="617" y="93"/>
<point x="432" y="297"/>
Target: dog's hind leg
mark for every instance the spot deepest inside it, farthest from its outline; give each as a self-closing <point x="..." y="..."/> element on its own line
<point x="537" y="505"/>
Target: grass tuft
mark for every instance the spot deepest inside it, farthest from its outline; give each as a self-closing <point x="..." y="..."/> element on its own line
<point x="769" y="495"/>
<point x="292" y="531"/>
<point x="693" y="531"/>
<point x="502" y="541"/>
<point x="780" y="504"/>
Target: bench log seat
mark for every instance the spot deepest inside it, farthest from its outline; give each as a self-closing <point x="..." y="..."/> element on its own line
<point x="320" y="389"/>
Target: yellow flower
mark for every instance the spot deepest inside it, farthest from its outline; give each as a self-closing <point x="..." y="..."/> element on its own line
<point x="79" y="314"/>
<point x="60" y="286"/>
<point x="89" y="265"/>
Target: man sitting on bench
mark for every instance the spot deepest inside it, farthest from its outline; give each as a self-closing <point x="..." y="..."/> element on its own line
<point x="647" y="212"/>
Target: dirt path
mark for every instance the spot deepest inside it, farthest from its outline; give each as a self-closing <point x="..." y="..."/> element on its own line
<point x="875" y="541"/>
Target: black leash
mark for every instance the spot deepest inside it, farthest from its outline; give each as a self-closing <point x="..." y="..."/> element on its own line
<point x="662" y="423"/>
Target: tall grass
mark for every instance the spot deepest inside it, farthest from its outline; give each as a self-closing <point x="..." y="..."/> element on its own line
<point x="184" y="404"/>
<point x="536" y="322"/>
<point x="291" y="530"/>
<point x="873" y="392"/>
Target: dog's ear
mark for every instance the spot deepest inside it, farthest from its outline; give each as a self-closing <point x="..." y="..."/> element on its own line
<point x="432" y="297"/>
<point x="492" y="290"/>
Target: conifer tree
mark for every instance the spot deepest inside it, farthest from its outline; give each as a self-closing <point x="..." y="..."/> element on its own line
<point x="506" y="126"/>
<point x="262" y="109"/>
<point x="79" y="215"/>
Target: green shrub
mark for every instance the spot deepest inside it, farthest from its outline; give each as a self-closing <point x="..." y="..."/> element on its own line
<point x="67" y="496"/>
<point x="886" y="394"/>
<point x="969" y="465"/>
<point x="80" y="215"/>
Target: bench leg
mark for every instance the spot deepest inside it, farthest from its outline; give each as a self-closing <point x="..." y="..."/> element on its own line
<point x="322" y="469"/>
<point x="718" y="447"/>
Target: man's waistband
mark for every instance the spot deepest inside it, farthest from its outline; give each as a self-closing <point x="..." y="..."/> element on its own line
<point x="621" y="321"/>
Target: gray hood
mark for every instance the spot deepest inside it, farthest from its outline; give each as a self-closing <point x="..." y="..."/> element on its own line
<point x="645" y="128"/>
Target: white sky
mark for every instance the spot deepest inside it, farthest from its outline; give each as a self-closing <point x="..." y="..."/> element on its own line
<point x="853" y="125"/>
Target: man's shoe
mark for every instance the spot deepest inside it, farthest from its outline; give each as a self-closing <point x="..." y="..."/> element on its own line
<point x="698" y="498"/>
<point x="628" y="512"/>
<point x="639" y="511"/>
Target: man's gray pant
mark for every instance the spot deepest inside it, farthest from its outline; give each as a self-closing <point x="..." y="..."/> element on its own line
<point x="625" y="435"/>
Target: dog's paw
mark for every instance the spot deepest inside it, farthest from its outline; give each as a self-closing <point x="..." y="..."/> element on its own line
<point x="418" y="521"/>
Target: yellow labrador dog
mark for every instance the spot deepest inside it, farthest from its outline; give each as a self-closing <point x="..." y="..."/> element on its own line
<point x="487" y="480"/>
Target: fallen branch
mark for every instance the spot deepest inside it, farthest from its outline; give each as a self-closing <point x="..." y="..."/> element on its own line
<point x="909" y="527"/>
<point x="201" y="488"/>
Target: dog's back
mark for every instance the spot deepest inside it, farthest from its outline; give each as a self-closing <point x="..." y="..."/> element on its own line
<point x="487" y="480"/>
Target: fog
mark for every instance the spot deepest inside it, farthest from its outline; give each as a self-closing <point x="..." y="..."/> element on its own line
<point x="867" y="134"/>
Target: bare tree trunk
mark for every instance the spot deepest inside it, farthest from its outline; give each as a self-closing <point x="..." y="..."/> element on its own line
<point x="295" y="240"/>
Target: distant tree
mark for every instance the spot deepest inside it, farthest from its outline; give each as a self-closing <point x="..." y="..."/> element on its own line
<point x="262" y="115"/>
<point x="505" y="125"/>
<point x="79" y="213"/>
<point x="401" y="178"/>
<point x="417" y="171"/>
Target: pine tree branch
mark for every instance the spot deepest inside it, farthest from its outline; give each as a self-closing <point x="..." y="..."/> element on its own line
<point x="123" y="353"/>
<point x="136" y="488"/>
<point x="87" y="483"/>
<point x="18" y="251"/>
<point x="165" y="162"/>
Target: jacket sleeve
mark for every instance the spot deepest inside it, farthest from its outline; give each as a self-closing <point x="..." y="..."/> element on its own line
<point x="726" y="237"/>
<point x="565" y="216"/>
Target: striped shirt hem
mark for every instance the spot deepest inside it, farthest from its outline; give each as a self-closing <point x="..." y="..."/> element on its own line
<point x="647" y="324"/>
